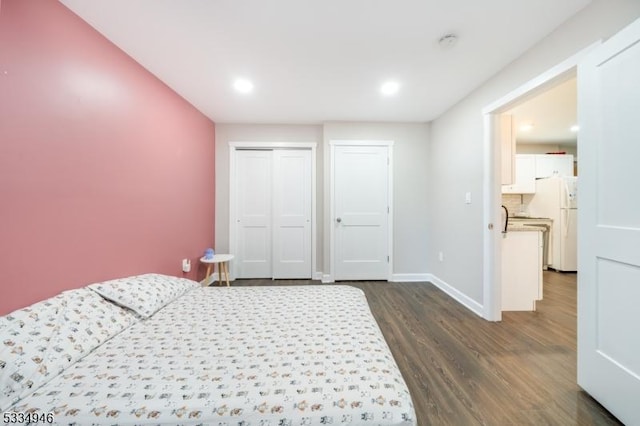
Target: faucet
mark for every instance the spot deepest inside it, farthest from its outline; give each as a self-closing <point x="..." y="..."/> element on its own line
<point x="506" y="219"/>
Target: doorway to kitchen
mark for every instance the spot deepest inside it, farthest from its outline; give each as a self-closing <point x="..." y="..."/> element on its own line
<point x="540" y="195"/>
<point x="515" y="104"/>
<point x="609" y="266"/>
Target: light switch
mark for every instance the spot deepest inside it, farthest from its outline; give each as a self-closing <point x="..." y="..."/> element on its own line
<point x="467" y="198"/>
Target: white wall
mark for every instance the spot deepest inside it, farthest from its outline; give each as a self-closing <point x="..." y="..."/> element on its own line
<point x="456" y="145"/>
<point x="410" y="198"/>
<point x="410" y="181"/>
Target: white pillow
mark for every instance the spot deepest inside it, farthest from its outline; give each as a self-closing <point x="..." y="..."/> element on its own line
<point x="40" y="341"/>
<point x="144" y="294"/>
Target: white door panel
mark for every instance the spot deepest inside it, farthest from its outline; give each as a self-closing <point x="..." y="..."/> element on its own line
<point x="292" y="214"/>
<point x="255" y="250"/>
<point x="609" y="225"/>
<point x="291" y="248"/>
<point x="361" y="203"/>
<point x="617" y="309"/>
<point x="254" y="214"/>
<point x="354" y="251"/>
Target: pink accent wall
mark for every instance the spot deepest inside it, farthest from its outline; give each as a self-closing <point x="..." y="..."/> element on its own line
<point x="104" y="171"/>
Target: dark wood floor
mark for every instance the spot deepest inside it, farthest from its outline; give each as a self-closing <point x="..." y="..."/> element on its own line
<point x="463" y="370"/>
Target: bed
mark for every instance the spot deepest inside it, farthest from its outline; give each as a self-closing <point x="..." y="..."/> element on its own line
<point x="154" y="349"/>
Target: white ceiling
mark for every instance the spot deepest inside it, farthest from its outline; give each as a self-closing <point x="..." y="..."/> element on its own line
<point x="323" y="60"/>
<point x="552" y="114"/>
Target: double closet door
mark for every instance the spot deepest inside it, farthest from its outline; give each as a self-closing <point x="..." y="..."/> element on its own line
<point x="273" y="213"/>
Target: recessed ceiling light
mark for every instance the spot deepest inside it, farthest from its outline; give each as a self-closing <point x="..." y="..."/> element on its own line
<point x="390" y="88"/>
<point x="243" y="85"/>
<point x="526" y="127"/>
<point x="574" y="128"/>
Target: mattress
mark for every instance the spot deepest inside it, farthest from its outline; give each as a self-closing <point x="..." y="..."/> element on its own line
<point x="299" y="355"/>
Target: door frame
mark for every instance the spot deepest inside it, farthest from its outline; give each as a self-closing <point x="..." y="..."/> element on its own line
<point x="234" y="147"/>
<point x="330" y="222"/>
<point x="492" y="198"/>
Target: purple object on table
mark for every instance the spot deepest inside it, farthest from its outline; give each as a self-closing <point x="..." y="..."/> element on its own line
<point x="208" y="253"/>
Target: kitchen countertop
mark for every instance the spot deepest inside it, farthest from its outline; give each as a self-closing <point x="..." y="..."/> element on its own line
<point x="529" y="219"/>
<point x="524" y="228"/>
<point x="528" y="224"/>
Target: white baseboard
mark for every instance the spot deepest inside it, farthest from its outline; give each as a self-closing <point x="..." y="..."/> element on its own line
<point x="462" y="298"/>
<point x="456" y="294"/>
<point x="214" y="277"/>
<point x="327" y="278"/>
<point x="409" y="278"/>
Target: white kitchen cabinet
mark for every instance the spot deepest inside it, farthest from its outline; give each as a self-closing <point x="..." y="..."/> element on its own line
<point x="525" y="174"/>
<point x="521" y="270"/>
<point x="553" y="165"/>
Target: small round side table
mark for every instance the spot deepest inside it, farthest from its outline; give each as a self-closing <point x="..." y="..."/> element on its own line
<point x="223" y="267"/>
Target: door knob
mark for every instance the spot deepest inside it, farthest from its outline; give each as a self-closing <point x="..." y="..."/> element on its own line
<point x="338" y="220"/>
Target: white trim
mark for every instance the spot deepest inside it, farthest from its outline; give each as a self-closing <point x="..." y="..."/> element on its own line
<point x="462" y="298"/>
<point x="273" y="145"/>
<point x="492" y="262"/>
<point x="333" y="144"/>
<point x="232" y="207"/>
<point x="328" y="278"/>
<point x="391" y="209"/>
<point x="317" y="276"/>
<point x="314" y="210"/>
<point x="233" y="149"/>
<point x="410" y="278"/>
<point x="547" y="79"/>
<point x="346" y="142"/>
<point x="492" y="245"/>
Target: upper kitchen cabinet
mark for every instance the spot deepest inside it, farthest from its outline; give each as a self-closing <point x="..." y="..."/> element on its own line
<point x="529" y="167"/>
<point x="525" y="176"/>
<point x="554" y="165"/>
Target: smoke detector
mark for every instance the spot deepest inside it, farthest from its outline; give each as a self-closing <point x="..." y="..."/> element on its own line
<point x="447" y="41"/>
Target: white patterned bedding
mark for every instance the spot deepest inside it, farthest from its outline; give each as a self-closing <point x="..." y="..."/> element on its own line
<point x="252" y="356"/>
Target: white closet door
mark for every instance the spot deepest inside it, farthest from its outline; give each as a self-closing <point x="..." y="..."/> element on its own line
<point x="254" y="218"/>
<point x="292" y="214"/>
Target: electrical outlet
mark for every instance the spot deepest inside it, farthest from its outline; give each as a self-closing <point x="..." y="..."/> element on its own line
<point x="441" y="257"/>
<point x="467" y="198"/>
<point x="186" y="265"/>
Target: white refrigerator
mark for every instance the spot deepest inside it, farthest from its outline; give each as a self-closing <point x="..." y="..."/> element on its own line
<point x="557" y="199"/>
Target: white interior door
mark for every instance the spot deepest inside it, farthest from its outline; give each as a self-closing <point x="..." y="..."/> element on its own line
<point x="253" y="227"/>
<point x="361" y="212"/>
<point x="609" y="225"/>
<point x="292" y="214"/>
